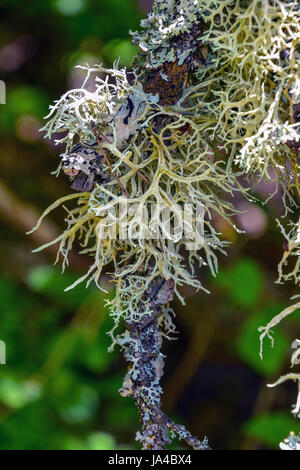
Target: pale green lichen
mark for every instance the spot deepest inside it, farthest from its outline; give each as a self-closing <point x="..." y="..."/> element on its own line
<point x="253" y="68"/>
<point x="246" y="120"/>
<point x="253" y="87"/>
<point x="180" y="173"/>
<point x="287" y="269"/>
<point x="167" y="20"/>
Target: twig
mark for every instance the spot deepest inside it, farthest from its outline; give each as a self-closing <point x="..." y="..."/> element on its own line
<point x="108" y="163"/>
<point x="143" y="351"/>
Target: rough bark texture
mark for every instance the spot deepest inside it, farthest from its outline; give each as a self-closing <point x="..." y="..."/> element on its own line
<point x="170" y="78"/>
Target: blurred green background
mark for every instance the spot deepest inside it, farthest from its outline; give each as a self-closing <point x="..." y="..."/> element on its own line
<point x="59" y="388"/>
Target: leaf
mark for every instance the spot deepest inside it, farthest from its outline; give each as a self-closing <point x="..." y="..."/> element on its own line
<point x="244" y="282"/>
<point x="120" y="49"/>
<point x="101" y="441"/>
<point x="51" y="282"/>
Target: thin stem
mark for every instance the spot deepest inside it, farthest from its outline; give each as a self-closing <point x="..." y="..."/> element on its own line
<point x="108" y="163"/>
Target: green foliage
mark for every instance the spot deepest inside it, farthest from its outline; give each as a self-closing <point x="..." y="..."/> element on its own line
<point x="101" y="440"/>
<point x="271" y="428"/>
<point x="120" y="49"/>
<point x="243" y="281"/>
<point x="23" y="100"/>
<point x="66" y="378"/>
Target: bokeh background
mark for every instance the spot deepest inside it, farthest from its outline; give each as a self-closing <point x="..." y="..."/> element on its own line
<point x="59" y="388"/>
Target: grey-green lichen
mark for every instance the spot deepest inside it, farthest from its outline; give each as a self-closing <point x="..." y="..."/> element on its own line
<point x="167" y="20"/>
<point x="181" y="170"/>
<point x="254" y="70"/>
<point x="236" y="113"/>
<point x="292" y="442"/>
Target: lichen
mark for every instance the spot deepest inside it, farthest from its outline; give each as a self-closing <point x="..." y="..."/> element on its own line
<point x="168" y="19"/>
<point x="177" y="165"/>
<point x="292" y="442"/>
<point x="214" y="94"/>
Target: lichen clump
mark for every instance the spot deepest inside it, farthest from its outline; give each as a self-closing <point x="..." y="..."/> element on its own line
<point x="213" y="94"/>
<point x="167" y="167"/>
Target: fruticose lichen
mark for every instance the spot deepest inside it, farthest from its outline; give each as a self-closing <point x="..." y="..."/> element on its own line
<point x="292" y="442"/>
<point x="291" y="250"/>
<point x="213" y="94"/>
